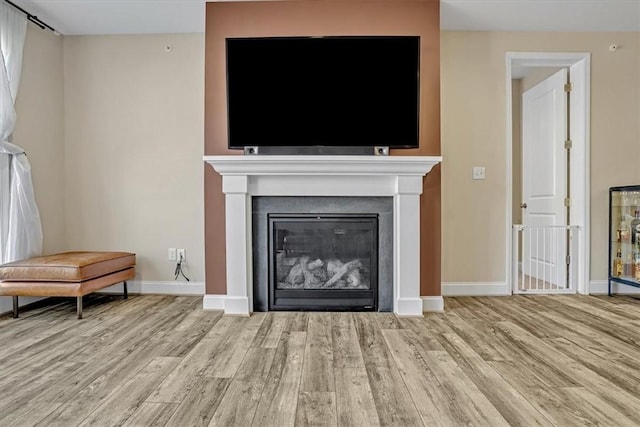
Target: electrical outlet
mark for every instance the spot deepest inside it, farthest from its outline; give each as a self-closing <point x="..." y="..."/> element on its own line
<point x="172" y="254"/>
<point x="478" y="172"/>
<point x="182" y="255"/>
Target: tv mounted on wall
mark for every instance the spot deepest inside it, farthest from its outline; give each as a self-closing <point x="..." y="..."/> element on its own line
<point x="323" y="91"/>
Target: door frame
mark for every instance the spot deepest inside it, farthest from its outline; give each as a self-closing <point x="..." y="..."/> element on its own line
<point x="580" y="74"/>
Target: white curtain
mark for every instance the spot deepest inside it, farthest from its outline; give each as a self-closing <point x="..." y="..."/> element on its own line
<point x="20" y="226"/>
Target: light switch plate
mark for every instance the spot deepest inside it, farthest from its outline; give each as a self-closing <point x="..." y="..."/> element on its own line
<point x="478" y="172"/>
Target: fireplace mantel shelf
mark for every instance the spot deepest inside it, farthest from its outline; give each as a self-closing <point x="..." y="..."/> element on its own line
<point x="327" y="165"/>
<point x="244" y="177"/>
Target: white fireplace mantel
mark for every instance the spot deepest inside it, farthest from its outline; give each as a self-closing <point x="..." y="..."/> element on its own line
<point x="399" y="177"/>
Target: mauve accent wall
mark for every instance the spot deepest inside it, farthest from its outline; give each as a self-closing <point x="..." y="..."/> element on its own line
<point x="322" y="18"/>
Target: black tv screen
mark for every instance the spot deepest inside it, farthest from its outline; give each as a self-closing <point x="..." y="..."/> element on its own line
<point x="323" y="91"/>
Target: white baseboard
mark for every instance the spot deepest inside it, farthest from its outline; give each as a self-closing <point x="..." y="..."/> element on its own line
<point x="236" y="306"/>
<point x="217" y="302"/>
<point x="158" y="287"/>
<point x="601" y="287"/>
<point x="232" y="306"/>
<point x="459" y="289"/>
<point x="133" y="286"/>
<point x="213" y="302"/>
<point x="433" y="304"/>
<point x="6" y="303"/>
<point x="408" y="307"/>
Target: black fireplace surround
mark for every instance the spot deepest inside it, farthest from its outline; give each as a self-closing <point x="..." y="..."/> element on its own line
<point x="323" y="261"/>
<point x="322" y="253"/>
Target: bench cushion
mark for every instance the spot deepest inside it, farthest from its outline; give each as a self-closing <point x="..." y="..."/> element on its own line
<point x="67" y="267"/>
<point x="65" y="289"/>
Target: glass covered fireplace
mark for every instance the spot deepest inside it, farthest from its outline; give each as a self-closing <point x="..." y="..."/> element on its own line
<point x="323" y="261"/>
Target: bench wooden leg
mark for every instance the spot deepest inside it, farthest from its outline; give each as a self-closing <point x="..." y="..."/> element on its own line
<point x="126" y="292"/>
<point x="80" y="307"/>
<point x="15" y="307"/>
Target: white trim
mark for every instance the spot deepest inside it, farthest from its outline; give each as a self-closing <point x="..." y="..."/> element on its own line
<point x="601" y="287"/>
<point x="223" y="302"/>
<point x="322" y="165"/>
<point x="232" y="305"/>
<point x="459" y="289"/>
<point x="237" y="306"/>
<point x="580" y="64"/>
<point x="400" y="177"/>
<point x="509" y="181"/>
<point x="409" y="307"/>
<point x="143" y="287"/>
<point x="6" y="303"/>
<point x="433" y="304"/>
<point x="213" y="302"/>
<point x="545" y="292"/>
<point x="157" y="287"/>
<point x="580" y="73"/>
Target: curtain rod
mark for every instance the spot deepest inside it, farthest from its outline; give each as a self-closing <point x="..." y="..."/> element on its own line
<point x="33" y="18"/>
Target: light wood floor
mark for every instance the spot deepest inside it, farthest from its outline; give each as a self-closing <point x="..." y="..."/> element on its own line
<point x="159" y="360"/>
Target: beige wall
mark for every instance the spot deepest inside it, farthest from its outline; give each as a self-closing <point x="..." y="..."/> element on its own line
<point x="40" y="130"/>
<point x="134" y="136"/>
<point x="113" y="127"/>
<point x="473" y="133"/>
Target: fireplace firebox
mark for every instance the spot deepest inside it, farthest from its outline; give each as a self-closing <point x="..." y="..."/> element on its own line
<point x="323" y="262"/>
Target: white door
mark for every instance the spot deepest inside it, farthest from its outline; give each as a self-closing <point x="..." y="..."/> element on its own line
<point x="544" y="184"/>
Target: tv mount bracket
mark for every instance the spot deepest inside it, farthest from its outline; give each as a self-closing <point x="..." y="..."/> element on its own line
<point x="319" y="150"/>
<point x="381" y="151"/>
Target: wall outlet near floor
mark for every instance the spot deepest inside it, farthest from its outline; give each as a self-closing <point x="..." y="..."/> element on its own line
<point x="478" y="172"/>
<point x="172" y="254"/>
<point x="182" y="255"/>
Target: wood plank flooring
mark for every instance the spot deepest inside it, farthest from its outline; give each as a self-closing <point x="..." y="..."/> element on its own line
<point x="162" y="361"/>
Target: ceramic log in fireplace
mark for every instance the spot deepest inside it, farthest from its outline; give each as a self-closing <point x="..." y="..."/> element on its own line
<point x="323" y="262"/>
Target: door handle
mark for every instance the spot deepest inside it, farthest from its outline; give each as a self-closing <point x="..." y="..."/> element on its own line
<point x="523" y="205"/>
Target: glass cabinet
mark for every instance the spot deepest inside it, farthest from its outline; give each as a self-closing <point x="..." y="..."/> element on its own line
<point x="624" y="235"/>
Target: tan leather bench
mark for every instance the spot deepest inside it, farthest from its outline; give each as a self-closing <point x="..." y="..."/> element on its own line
<point x="68" y="274"/>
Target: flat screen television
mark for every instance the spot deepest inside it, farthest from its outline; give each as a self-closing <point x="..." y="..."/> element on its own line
<point x="323" y="91"/>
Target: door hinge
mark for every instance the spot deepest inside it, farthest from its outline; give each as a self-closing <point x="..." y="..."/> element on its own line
<point x="567" y="201"/>
<point x="568" y="259"/>
<point x="568" y="144"/>
<point x="568" y="87"/>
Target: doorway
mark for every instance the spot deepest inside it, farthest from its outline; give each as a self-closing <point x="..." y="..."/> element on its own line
<point x="561" y="174"/>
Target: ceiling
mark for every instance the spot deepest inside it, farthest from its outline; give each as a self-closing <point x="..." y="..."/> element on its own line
<point x="75" y="17"/>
